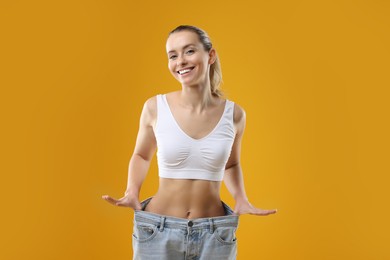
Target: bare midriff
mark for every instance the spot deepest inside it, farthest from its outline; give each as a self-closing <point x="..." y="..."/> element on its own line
<point x="190" y="199"/>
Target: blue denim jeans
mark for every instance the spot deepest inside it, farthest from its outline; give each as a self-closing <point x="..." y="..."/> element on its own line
<point x="169" y="238"/>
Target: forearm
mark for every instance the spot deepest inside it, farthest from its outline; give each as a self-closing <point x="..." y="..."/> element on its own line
<point x="138" y="169"/>
<point x="234" y="182"/>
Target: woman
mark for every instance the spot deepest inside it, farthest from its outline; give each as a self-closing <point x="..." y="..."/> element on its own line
<point x="198" y="135"/>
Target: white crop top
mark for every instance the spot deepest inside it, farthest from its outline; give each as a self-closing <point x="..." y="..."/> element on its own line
<point x="180" y="156"/>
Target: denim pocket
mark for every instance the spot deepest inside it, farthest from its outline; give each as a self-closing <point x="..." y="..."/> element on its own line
<point x="226" y="235"/>
<point x="143" y="232"/>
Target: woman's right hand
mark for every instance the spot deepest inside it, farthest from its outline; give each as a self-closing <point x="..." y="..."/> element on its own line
<point x="125" y="201"/>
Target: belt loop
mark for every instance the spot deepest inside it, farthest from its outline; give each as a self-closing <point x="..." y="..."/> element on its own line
<point x="162" y="224"/>
<point x="211" y="225"/>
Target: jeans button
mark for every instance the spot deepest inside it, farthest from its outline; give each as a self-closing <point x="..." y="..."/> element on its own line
<point x="190" y="223"/>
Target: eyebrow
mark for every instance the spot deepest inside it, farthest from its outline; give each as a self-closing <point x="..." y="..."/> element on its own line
<point x="185" y="46"/>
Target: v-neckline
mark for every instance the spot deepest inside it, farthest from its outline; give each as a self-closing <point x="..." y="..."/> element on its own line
<point x="179" y="127"/>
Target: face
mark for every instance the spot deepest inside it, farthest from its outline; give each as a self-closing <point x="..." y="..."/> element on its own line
<point x="188" y="61"/>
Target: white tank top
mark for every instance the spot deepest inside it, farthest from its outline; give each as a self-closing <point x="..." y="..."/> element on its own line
<point x="180" y="156"/>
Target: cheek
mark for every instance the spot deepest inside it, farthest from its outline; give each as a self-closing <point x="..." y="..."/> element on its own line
<point x="170" y="68"/>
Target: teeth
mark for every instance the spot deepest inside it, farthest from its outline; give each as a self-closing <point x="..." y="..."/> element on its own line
<point x="181" y="72"/>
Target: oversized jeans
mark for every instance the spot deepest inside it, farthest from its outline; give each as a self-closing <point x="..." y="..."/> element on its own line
<point x="169" y="238"/>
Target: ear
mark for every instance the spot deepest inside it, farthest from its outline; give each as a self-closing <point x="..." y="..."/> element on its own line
<point x="212" y="56"/>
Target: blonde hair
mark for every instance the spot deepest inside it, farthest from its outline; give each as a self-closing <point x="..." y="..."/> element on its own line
<point x="215" y="68"/>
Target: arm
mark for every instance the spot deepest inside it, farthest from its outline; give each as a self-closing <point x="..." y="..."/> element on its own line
<point x="144" y="150"/>
<point x="233" y="177"/>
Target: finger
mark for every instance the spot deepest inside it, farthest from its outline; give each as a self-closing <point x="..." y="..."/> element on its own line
<point x="109" y="199"/>
<point x="264" y="212"/>
<point x="273" y="211"/>
<point x="122" y="203"/>
<point x="240" y="212"/>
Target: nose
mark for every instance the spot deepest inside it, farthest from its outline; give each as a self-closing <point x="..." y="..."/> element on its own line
<point x="181" y="61"/>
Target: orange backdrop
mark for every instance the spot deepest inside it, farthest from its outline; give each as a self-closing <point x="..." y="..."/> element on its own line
<point x="313" y="77"/>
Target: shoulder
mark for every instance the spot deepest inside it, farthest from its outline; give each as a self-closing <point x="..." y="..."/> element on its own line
<point x="239" y="117"/>
<point x="239" y="114"/>
<point x="150" y="105"/>
<point x="149" y="110"/>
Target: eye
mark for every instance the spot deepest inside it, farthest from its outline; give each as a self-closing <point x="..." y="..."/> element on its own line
<point x="173" y="56"/>
<point x="190" y="51"/>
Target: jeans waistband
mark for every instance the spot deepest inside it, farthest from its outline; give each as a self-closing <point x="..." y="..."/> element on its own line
<point x="230" y="219"/>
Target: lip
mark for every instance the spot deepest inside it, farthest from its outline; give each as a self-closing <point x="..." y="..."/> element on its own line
<point x="192" y="68"/>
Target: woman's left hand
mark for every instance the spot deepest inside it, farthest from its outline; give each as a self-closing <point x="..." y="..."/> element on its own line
<point x="246" y="208"/>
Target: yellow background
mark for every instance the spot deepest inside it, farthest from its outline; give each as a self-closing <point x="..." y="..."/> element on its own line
<point x="313" y="77"/>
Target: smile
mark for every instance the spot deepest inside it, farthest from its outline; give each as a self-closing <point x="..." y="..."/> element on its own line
<point x="184" y="71"/>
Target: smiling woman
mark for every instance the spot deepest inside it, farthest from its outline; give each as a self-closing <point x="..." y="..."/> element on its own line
<point x="198" y="135"/>
<point x="190" y="41"/>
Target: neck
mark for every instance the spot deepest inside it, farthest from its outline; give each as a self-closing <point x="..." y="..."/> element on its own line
<point x="196" y="97"/>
